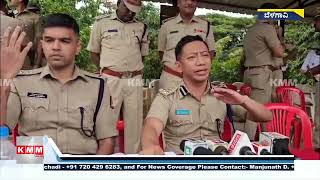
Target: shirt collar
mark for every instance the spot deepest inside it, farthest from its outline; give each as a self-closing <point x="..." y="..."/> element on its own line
<point x="114" y="16"/>
<point x="179" y="19"/>
<point x="76" y="74"/>
<point x="183" y="91"/>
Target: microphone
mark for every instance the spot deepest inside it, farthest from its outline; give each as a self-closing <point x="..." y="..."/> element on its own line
<point x="261" y="149"/>
<point x="219" y="147"/>
<point x="188" y="146"/>
<point x="245" y="150"/>
<point x="265" y="152"/>
<point x="221" y="150"/>
<point x="279" y="144"/>
<point x="240" y="142"/>
<point x="203" y="151"/>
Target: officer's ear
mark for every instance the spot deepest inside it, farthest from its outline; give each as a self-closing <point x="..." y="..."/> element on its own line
<point x="79" y="46"/>
<point x="178" y="65"/>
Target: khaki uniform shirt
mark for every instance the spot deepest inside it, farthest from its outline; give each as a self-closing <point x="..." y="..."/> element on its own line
<point x="183" y="116"/>
<point x="43" y="106"/>
<point x="120" y="45"/>
<point x="258" y="42"/>
<point x="174" y="29"/>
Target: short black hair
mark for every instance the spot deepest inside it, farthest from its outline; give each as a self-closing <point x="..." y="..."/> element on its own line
<point x="186" y="40"/>
<point x="61" y="20"/>
<point x="269" y="6"/>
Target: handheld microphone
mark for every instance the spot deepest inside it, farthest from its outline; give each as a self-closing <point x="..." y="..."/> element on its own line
<point x="203" y="151"/>
<point x="240" y="141"/>
<point x="189" y="146"/>
<point x="245" y="150"/>
<point x="261" y="149"/>
<point x="279" y="144"/>
<point x="221" y="150"/>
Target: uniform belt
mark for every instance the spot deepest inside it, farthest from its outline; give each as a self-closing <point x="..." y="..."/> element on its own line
<point x="125" y="74"/>
<point x="171" y="71"/>
<point x="272" y="68"/>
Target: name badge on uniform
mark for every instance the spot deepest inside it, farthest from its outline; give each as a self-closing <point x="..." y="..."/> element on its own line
<point x="37" y="95"/>
<point x="173" y="32"/>
<point x="112" y="30"/>
<point x="183" y="112"/>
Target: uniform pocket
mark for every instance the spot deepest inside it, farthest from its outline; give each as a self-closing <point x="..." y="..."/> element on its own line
<point x="172" y="41"/>
<point x="34" y="110"/>
<point x="111" y="39"/>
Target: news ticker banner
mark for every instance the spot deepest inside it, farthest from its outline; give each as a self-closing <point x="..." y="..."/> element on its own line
<point x="168" y="167"/>
<point x="43" y="150"/>
<point x="280" y="14"/>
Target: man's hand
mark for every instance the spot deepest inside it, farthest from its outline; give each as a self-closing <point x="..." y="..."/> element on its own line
<point x="12" y="57"/>
<point x="228" y="96"/>
<point x="152" y="150"/>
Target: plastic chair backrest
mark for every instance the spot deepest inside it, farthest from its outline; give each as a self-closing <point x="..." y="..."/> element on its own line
<point x="284" y="117"/>
<point x="286" y="94"/>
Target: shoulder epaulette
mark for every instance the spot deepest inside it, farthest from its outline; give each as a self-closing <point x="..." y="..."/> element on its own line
<point x="168" y="19"/>
<point x="102" y="17"/>
<point x="167" y="92"/>
<point x="30" y="72"/>
<point x="92" y="75"/>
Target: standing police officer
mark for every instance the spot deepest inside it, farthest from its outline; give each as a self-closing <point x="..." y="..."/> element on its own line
<point x="261" y="46"/>
<point x="118" y="45"/>
<point x="33" y="21"/>
<point x="170" y="34"/>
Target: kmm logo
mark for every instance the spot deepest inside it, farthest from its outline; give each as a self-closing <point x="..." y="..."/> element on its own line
<point x="30" y="150"/>
<point x="280" y="14"/>
<point x="36" y="150"/>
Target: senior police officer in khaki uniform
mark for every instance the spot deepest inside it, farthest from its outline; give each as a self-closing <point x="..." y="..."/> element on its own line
<point x="68" y="104"/>
<point x="118" y="45"/>
<point x="172" y="31"/>
<point x="190" y="110"/>
<point x="33" y="21"/>
<point x="261" y="47"/>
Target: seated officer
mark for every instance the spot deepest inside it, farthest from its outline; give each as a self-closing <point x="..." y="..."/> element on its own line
<point x="191" y="109"/>
<point x="59" y="100"/>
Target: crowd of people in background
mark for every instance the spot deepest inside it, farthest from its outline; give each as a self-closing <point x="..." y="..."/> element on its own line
<point x="79" y="110"/>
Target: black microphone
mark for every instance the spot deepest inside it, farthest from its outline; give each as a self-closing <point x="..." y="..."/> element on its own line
<point x="265" y="152"/>
<point x="182" y="144"/>
<point x="245" y="150"/>
<point x="220" y="150"/>
<point x="203" y="151"/>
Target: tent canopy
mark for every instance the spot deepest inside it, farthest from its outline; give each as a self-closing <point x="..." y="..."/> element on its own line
<point x="251" y="6"/>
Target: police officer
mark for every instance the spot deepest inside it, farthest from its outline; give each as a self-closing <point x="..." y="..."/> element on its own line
<point x="261" y="47"/>
<point x="172" y="31"/>
<point x="54" y="100"/>
<point x="311" y="63"/>
<point x="192" y="108"/>
<point x="33" y="21"/>
<point x="118" y="45"/>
